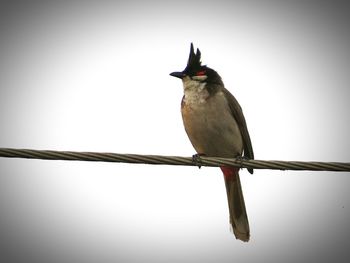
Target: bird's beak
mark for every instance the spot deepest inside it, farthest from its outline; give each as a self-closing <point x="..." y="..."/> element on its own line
<point x="178" y="74"/>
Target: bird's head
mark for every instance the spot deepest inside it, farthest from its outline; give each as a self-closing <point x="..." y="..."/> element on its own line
<point x="196" y="71"/>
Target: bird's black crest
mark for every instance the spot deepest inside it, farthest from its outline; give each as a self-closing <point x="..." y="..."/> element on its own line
<point x="195" y="68"/>
<point x="194" y="60"/>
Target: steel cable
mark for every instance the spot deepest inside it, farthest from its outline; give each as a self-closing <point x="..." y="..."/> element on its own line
<point x="173" y="160"/>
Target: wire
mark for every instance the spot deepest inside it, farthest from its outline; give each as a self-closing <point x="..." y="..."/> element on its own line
<point x="173" y="160"/>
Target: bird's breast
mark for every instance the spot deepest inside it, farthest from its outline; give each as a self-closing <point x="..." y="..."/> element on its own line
<point x="210" y="125"/>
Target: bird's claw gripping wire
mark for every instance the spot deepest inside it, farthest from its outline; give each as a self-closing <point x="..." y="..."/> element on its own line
<point x="240" y="160"/>
<point x="196" y="159"/>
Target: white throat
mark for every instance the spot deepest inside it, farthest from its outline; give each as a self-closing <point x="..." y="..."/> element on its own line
<point x="194" y="91"/>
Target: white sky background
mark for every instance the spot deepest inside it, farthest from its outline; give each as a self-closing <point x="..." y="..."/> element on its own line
<point x="95" y="77"/>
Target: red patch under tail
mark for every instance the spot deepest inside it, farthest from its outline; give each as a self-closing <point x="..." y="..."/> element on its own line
<point x="230" y="173"/>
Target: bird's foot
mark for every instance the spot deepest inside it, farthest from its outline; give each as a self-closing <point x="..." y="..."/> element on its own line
<point x="240" y="159"/>
<point x="196" y="159"/>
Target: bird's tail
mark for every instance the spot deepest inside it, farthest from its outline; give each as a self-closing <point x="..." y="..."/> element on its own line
<point x="238" y="214"/>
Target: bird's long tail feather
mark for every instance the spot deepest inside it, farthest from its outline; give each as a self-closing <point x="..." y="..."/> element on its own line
<point x="238" y="214"/>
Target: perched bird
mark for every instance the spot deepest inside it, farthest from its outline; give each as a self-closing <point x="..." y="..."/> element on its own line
<point x="216" y="127"/>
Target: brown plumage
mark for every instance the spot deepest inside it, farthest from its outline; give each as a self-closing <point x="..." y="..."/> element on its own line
<point x="215" y="125"/>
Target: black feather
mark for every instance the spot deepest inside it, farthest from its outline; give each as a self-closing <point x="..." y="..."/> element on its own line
<point x="194" y="65"/>
<point x="194" y="59"/>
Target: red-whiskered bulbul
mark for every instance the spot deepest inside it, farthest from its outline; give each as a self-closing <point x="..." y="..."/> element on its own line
<point x="216" y="127"/>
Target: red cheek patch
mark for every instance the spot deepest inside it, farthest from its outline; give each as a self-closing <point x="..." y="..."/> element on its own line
<point x="201" y="73"/>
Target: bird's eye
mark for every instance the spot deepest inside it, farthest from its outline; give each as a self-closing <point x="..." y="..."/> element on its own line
<point x="201" y="73"/>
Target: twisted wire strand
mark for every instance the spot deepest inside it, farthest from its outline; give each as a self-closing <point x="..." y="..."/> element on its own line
<point x="173" y="160"/>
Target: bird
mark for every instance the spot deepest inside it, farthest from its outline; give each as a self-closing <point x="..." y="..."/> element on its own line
<point x="215" y="124"/>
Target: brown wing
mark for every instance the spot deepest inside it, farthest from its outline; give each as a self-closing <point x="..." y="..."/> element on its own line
<point x="237" y="113"/>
